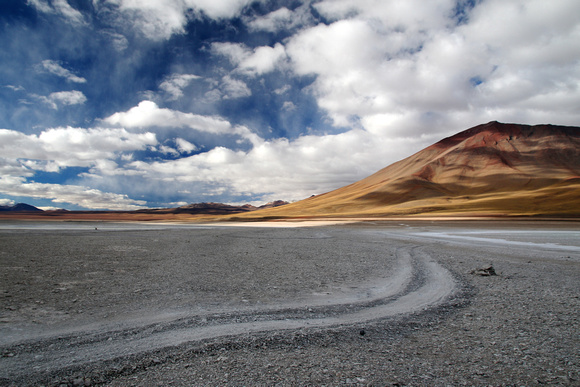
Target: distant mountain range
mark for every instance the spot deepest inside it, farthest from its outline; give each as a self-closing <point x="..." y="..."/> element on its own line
<point x="193" y="209"/>
<point x="20" y="207"/>
<point x="212" y="208"/>
<point x="491" y="169"/>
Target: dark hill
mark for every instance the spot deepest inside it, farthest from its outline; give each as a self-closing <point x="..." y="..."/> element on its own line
<point x="20" y="207"/>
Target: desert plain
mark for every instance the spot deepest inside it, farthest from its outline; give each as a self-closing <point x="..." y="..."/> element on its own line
<point x="397" y="302"/>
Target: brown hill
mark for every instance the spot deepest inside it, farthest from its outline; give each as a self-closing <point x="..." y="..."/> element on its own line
<point x="490" y="169"/>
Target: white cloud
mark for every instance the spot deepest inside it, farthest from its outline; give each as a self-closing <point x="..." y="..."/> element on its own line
<point x="66" y="147"/>
<point x="234" y="88"/>
<point x="118" y="41"/>
<point x="387" y="62"/>
<point x="282" y="90"/>
<point x="288" y="106"/>
<point x="15" y="88"/>
<point x="218" y="9"/>
<point x="58" y="7"/>
<point x="410" y="16"/>
<point x="159" y="19"/>
<point x="281" y="168"/>
<point x="250" y="62"/>
<point x="63" y="98"/>
<point x="168" y="150"/>
<point x="235" y="52"/>
<point x="175" y="83"/>
<point x="79" y="195"/>
<point x="7" y="202"/>
<point x="12" y="167"/>
<point x="263" y="60"/>
<point x="56" y="68"/>
<point x="272" y="22"/>
<point x="55" y="149"/>
<point x="73" y="97"/>
<point x="282" y="19"/>
<point x="148" y="114"/>
<point x="185" y="146"/>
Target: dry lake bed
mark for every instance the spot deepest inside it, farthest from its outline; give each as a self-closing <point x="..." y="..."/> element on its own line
<point x="371" y="303"/>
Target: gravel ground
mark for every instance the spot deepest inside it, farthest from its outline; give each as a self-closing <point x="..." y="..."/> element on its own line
<point x="77" y="290"/>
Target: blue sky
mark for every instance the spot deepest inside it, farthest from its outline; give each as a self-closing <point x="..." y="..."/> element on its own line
<point x="129" y="104"/>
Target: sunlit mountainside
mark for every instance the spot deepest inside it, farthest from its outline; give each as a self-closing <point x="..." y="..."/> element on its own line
<point x="491" y="169"/>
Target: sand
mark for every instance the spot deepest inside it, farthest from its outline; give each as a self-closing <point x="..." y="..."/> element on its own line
<point x="373" y="303"/>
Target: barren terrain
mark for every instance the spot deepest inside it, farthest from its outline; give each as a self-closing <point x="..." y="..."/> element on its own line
<point x="372" y="303"/>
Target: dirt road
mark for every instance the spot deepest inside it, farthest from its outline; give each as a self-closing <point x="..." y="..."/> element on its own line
<point x="125" y="304"/>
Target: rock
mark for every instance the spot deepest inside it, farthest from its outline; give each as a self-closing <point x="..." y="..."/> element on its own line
<point x="484" y="272"/>
<point x="78" y="382"/>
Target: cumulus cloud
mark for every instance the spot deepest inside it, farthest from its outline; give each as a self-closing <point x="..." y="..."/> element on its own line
<point x="250" y="62"/>
<point x="79" y="195"/>
<point x="185" y="146"/>
<point x="160" y="19"/>
<point x="386" y="65"/>
<point x="235" y="52"/>
<point x="263" y="60"/>
<point x="56" y="68"/>
<point x="281" y="168"/>
<point x="57" y="148"/>
<point x="282" y="19"/>
<point x="410" y="16"/>
<point x="272" y="22"/>
<point x="148" y="114"/>
<point x="175" y="83"/>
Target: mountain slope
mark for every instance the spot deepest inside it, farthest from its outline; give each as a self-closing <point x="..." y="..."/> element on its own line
<point x="490" y="169"/>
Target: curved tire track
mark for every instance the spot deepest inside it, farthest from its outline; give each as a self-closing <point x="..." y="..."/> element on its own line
<point x="419" y="283"/>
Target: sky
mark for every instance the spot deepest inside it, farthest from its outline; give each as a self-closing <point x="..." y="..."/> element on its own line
<point x="133" y="104"/>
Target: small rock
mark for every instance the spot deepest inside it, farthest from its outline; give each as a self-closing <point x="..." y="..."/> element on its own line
<point x="78" y="382"/>
<point x="484" y="272"/>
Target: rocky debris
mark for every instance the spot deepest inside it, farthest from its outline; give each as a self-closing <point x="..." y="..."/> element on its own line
<point x="484" y="272"/>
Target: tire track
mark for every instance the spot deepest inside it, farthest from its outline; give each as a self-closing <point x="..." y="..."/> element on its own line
<point x="419" y="283"/>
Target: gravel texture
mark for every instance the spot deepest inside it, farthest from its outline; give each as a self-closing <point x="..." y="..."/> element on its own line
<point x="125" y="305"/>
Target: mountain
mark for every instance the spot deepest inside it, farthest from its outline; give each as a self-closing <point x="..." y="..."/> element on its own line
<point x="490" y="169"/>
<point x="212" y="208"/>
<point x="20" y="207"/>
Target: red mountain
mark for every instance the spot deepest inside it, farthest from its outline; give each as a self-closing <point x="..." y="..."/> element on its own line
<point x="490" y="169"/>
